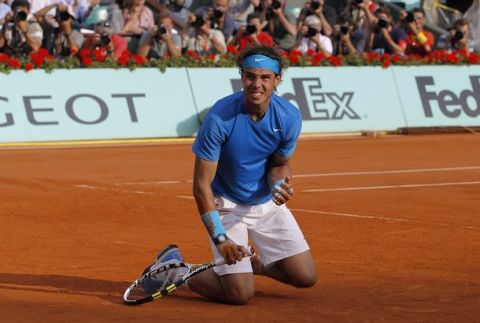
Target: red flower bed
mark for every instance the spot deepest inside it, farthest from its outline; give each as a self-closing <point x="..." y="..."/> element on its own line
<point x="100" y="59"/>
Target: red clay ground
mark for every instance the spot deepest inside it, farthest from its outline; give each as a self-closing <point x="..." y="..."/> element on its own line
<point x="398" y="242"/>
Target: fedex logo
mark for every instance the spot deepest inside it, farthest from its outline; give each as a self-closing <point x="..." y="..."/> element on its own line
<point x="451" y="105"/>
<point x="314" y="103"/>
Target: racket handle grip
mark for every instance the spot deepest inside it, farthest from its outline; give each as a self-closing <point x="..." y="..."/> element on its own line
<point x="220" y="261"/>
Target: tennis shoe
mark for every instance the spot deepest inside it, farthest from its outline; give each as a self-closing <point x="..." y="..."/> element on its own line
<point x="168" y="255"/>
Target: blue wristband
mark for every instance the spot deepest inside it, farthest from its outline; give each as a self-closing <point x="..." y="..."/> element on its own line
<point x="214" y="226"/>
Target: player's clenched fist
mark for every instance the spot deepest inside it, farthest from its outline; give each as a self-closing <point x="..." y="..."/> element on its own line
<point x="232" y="252"/>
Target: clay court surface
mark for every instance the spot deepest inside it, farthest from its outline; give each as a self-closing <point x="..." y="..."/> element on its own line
<point x="393" y="223"/>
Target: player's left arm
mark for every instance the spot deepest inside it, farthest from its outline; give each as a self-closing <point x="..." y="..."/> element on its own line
<point x="280" y="179"/>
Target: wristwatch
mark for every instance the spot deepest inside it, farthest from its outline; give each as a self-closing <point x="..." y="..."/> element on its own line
<point x="221" y="238"/>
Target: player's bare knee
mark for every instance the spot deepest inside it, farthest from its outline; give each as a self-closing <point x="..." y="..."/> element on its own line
<point x="240" y="296"/>
<point x="305" y="281"/>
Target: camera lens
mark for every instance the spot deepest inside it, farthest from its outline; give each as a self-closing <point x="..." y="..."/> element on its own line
<point x="276" y="4"/>
<point x="458" y="35"/>
<point x="251" y="29"/>
<point x="217" y="14"/>
<point x="199" y="22"/>
<point x="62" y="16"/>
<point x="382" y="23"/>
<point x="21" y="16"/>
<point x="162" y="30"/>
<point x="315" y="5"/>
<point x="344" y="29"/>
<point x="311" y="32"/>
<point x="105" y="39"/>
<point x="410" y="17"/>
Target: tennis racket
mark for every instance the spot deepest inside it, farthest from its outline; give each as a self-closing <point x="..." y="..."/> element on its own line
<point x="139" y="292"/>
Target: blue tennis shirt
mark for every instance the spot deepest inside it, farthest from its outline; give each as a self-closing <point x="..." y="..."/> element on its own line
<point x="242" y="146"/>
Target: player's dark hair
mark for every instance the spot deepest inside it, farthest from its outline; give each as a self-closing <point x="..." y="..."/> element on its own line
<point x="261" y="50"/>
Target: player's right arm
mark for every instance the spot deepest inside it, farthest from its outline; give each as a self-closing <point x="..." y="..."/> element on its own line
<point x="204" y="172"/>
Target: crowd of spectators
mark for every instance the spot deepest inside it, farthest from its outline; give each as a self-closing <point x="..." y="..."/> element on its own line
<point x="161" y="28"/>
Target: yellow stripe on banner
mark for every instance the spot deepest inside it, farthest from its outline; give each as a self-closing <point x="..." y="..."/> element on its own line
<point x="96" y="142"/>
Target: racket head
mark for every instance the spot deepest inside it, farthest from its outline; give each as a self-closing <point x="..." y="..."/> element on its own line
<point x="152" y="284"/>
<point x="142" y="291"/>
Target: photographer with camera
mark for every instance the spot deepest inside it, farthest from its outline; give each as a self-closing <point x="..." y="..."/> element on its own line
<point x="326" y="14"/>
<point x="219" y="17"/>
<point x="60" y="39"/>
<point x="310" y="37"/>
<point x="205" y="40"/>
<point x="281" y="25"/>
<point x="251" y="33"/>
<point x="346" y="39"/>
<point x="419" y="41"/>
<point x="161" y="41"/>
<point x="105" y="40"/>
<point x="358" y="12"/>
<point x="385" y="38"/>
<point x="457" y="38"/>
<point x="19" y="35"/>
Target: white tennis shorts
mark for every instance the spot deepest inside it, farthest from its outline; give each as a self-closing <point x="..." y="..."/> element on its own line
<point x="271" y="228"/>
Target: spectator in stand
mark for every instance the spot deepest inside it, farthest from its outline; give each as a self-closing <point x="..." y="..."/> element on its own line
<point x="4" y="10"/>
<point x="251" y="34"/>
<point x="114" y="14"/>
<point x="357" y="10"/>
<point x="220" y="18"/>
<point x="457" y="38"/>
<point x="179" y="10"/>
<point x="136" y="17"/>
<point x="63" y="40"/>
<point x="281" y="25"/>
<point x="105" y="40"/>
<point x="419" y="41"/>
<point x="354" y="8"/>
<point x="36" y="5"/>
<point x="347" y="40"/>
<point x="326" y="14"/>
<point x="19" y="35"/>
<point x="337" y="5"/>
<point x="386" y="38"/>
<point x="100" y="10"/>
<point x="310" y="37"/>
<point x="162" y="40"/>
<point x="240" y="9"/>
<point x="205" y="40"/>
<point x="80" y="9"/>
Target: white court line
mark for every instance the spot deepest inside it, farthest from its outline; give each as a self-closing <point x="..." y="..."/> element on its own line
<point x="91" y="187"/>
<point x="359" y="188"/>
<point x="351" y="215"/>
<point x="186" y="197"/>
<point x="149" y="183"/>
<point x="384" y="218"/>
<point x="380" y="172"/>
<point x="398" y="171"/>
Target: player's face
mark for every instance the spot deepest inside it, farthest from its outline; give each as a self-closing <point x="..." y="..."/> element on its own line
<point x="258" y="86"/>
